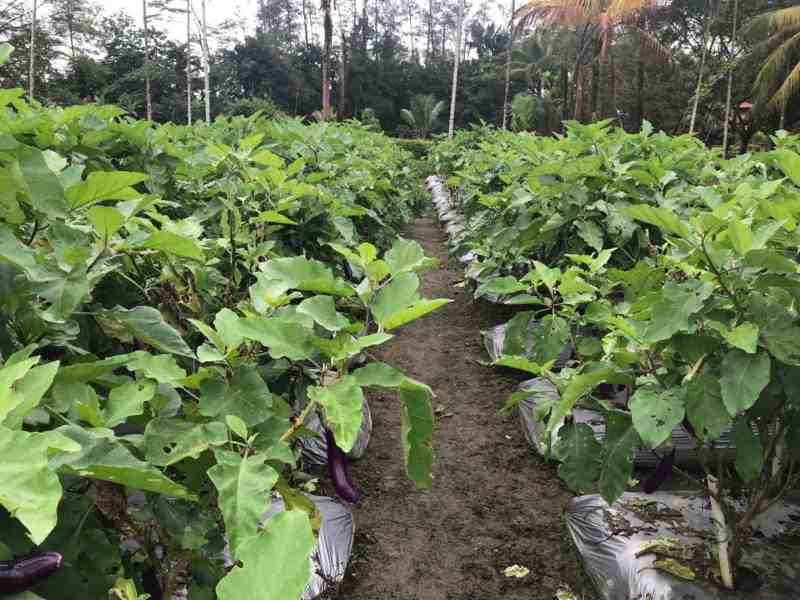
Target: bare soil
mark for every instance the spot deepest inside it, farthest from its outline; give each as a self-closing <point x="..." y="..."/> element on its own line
<point x="494" y="503"/>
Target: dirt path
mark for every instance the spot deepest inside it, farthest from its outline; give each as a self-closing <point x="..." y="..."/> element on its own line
<point x="493" y="503"/>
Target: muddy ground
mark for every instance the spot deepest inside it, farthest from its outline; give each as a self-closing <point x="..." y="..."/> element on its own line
<point x="494" y="503"/>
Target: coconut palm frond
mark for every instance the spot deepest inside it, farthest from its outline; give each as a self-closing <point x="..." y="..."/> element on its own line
<point x="790" y="87"/>
<point x="653" y="46"/>
<point x="621" y="8"/>
<point x="777" y="63"/>
<point x="568" y="13"/>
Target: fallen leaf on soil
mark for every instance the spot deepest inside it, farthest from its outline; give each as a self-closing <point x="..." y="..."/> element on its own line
<point x="516" y="571"/>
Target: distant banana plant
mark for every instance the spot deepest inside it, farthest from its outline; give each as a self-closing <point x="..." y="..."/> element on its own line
<point x="778" y="80"/>
<point x="423" y="115"/>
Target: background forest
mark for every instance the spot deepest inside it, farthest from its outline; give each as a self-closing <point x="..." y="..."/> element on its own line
<point x="385" y="56"/>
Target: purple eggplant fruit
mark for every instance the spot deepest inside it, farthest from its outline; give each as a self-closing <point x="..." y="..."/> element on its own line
<point x="24" y="573"/>
<point x="337" y="469"/>
<point x="659" y="476"/>
<point x="688" y="427"/>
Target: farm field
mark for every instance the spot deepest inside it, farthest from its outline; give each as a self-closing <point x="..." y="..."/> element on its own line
<point x="409" y="300"/>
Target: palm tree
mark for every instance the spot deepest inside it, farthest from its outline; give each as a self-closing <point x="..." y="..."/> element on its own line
<point x="511" y="31"/>
<point x="424" y="113"/>
<point x="778" y="81"/>
<point x="730" y="86"/>
<point x="326" y="55"/>
<point x="457" y="60"/>
<point x="599" y="21"/>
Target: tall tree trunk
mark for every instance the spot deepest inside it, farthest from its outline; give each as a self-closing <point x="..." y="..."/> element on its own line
<point x="326" y="54"/>
<point x="206" y="62"/>
<point x="564" y="90"/>
<point x="342" y="108"/>
<point x="511" y="31"/>
<point x="305" y="23"/>
<point x="726" y="128"/>
<point x="32" y="60"/>
<point x="579" y="76"/>
<point x="640" y="87"/>
<point x="262" y="9"/>
<point x="189" y="61"/>
<point x="411" y="28"/>
<point x="71" y="29"/>
<point x="703" y="58"/>
<point x="429" y="45"/>
<point x="456" y="61"/>
<point x="595" y="97"/>
<point x="148" y="102"/>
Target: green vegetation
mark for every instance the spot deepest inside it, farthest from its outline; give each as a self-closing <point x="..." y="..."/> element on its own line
<point x="670" y="271"/>
<point x="168" y="293"/>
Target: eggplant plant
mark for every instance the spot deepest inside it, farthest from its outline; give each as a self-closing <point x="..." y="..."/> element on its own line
<point x="703" y="332"/>
<point x="164" y="291"/>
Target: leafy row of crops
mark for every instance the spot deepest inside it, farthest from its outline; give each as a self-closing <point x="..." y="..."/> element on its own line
<point x="170" y="299"/>
<point x="673" y="276"/>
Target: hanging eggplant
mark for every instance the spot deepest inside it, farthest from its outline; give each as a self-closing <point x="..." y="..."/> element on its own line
<point x="22" y="574"/>
<point x="337" y="469"/>
<point x="659" y="476"/>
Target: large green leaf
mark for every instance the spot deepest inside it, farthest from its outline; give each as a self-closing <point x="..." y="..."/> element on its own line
<point x="45" y="192"/>
<point x="243" y="486"/>
<point x="105" y="459"/>
<point x="245" y="396"/>
<point x="9" y="375"/>
<point x="29" y="489"/>
<point x="550" y="338"/>
<point x="404" y="255"/>
<point x="283" y="338"/>
<point x="414" y="312"/>
<point x="177" y="245"/>
<point x="398" y="295"/>
<point x="64" y="291"/>
<point x="676" y="303"/>
<point x="743" y="378"/>
<point x="323" y="310"/>
<point x="168" y="441"/>
<point x="104" y="185"/>
<point x="519" y="362"/>
<point x="704" y="408"/>
<point x="744" y="337"/>
<point x="579" y="452"/>
<point x="128" y="400"/>
<point x="749" y="454"/>
<point x="618" y="450"/>
<point x="300" y="273"/>
<point x="342" y="401"/>
<point x="417" y="431"/>
<point x="26" y="394"/>
<point x="789" y="162"/>
<point x="579" y="386"/>
<point x="663" y="218"/>
<point x="106" y="220"/>
<point x="14" y="251"/>
<point x="656" y="413"/>
<point x="379" y="374"/>
<point x="741" y="237"/>
<point x="275" y="563"/>
<point x="148" y="325"/>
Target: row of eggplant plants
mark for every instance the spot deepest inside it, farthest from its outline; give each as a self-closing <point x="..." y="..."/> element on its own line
<point x="672" y="274"/>
<point x="163" y="291"/>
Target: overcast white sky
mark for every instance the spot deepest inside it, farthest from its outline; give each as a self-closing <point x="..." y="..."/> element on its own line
<point x="217" y="11"/>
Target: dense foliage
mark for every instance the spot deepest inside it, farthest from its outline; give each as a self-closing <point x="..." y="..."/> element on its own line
<point x="643" y="62"/>
<point x="671" y="272"/>
<point x="175" y="301"/>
